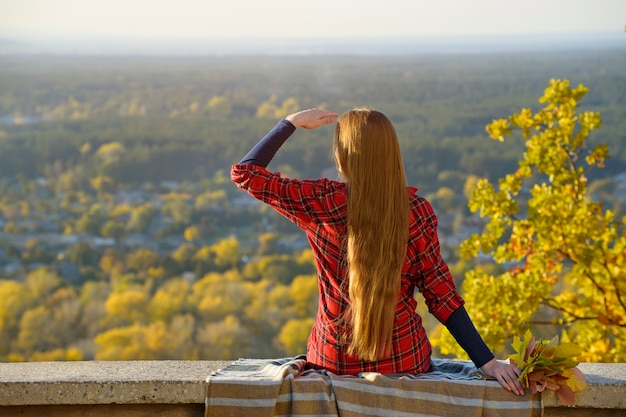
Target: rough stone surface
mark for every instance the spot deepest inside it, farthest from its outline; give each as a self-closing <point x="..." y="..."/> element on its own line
<point x="25" y="387"/>
<point x="103" y="382"/>
<point x="606" y="387"/>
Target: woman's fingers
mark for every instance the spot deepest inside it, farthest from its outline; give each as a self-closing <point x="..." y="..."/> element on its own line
<point x="506" y="374"/>
<point x="312" y="118"/>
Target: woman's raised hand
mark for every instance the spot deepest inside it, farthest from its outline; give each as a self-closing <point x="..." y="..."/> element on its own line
<point x="312" y="118"/>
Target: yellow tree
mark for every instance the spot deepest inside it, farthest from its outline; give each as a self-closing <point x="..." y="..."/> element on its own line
<point x="153" y="341"/>
<point x="112" y="261"/>
<point x="210" y="200"/>
<point x="169" y="300"/>
<point x="53" y="324"/>
<point x="225" y="340"/>
<point x="142" y="260"/>
<point x="227" y="253"/>
<point x="192" y="233"/>
<point x="33" y="335"/>
<point x="93" y="297"/>
<point x="219" y="295"/>
<point x="103" y="184"/>
<point x="16" y="299"/>
<point x="268" y="108"/>
<point x="141" y="218"/>
<point x="110" y="152"/>
<point x="289" y="105"/>
<point x="219" y="106"/>
<point x="565" y="256"/>
<point x="60" y="354"/>
<point x="295" y="334"/>
<point x="126" y="307"/>
<point x="304" y="294"/>
<point x="125" y="343"/>
<point x="266" y="312"/>
<point x="268" y="243"/>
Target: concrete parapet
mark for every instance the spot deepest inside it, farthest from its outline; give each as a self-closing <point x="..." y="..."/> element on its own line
<point x="178" y="388"/>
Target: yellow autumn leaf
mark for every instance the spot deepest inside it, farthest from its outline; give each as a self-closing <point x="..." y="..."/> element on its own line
<point x="576" y="379"/>
<point x="519" y="347"/>
<point x="567" y="350"/>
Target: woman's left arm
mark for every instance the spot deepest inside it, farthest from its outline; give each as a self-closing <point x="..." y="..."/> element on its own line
<point x="461" y="327"/>
<point x="507" y="375"/>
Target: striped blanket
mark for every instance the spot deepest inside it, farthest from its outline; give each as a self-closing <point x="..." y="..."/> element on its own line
<point x="264" y="388"/>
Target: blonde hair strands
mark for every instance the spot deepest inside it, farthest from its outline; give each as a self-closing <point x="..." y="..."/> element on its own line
<point x="368" y="155"/>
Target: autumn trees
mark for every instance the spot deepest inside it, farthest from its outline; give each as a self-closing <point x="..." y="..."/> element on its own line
<point x="96" y="168"/>
<point x="230" y="311"/>
<point x="563" y="255"/>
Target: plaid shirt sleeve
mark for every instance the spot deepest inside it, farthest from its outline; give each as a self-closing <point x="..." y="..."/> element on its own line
<point x="300" y="201"/>
<point x="434" y="279"/>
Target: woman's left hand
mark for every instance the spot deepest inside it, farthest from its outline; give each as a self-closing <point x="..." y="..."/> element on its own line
<point x="312" y="118"/>
<point x="507" y="375"/>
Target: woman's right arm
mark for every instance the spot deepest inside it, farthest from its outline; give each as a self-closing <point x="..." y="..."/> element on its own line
<point x="263" y="152"/>
<point x="312" y="118"/>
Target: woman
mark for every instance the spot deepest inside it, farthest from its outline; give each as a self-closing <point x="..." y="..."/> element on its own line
<point x="374" y="241"/>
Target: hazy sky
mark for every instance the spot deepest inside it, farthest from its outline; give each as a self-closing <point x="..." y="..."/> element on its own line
<point x="305" y="18"/>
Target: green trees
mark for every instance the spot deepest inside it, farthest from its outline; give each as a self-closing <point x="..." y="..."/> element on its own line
<point x="563" y="254"/>
<point x="112" y="120"/>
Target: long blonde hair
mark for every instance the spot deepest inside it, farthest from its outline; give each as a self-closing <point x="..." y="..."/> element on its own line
<point x="367" y="153"/>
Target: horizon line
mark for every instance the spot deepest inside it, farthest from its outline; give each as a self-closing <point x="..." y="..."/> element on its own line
<point x="275" y="45"/>
<point x="8" y="33"/>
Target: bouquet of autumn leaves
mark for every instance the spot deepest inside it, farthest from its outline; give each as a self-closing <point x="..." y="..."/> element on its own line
<point x="546" y="364"/>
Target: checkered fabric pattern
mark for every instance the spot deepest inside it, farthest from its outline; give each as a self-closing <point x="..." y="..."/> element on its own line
<point x="319" y="208"/>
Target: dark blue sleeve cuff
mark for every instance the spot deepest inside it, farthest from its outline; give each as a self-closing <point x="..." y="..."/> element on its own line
<point x="461" y="327"/>
<point x="263" y="152"/>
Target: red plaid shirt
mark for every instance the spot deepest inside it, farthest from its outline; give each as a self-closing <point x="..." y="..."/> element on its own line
<point x="319" y="208"/>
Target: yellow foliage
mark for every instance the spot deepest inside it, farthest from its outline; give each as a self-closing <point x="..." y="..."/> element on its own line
<point x="102" y="184"/>
<point x="192" y="233"/>
<point x="71" y="354"/>
<point x="294" y="335"/>
<point x="266" y="109"/>
<point x="303" y="291"/>
<point x="122" y="344"/>
<point x="288" y="106"/>
<point x="110" y="152"/>
<point x="227" y="252"/>
<point x="128" y="306"/>
<point x="169" y="300"/>
<point x="564" y="255"/>
<point x="225" y="340"/>
<point x="15" y="300"/>
<point x="155" y="341"/>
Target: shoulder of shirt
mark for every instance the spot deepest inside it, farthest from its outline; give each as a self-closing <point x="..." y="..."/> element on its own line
<point x="419" y="203"/>
<point x="318" y="182"/>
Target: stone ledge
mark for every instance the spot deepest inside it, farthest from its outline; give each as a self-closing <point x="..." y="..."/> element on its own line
<point x="183" y="382"/>
<point x="606" y="388"/>
<point x="103" y="382"/>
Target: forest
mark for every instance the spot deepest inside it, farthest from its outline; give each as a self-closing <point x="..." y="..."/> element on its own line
<point x="121" y="236"/>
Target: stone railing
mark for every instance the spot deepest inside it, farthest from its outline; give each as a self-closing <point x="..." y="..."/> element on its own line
<point x="178" y="388"/>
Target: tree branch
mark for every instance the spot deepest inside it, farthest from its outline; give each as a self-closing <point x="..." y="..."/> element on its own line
<point x="618" y="292"/>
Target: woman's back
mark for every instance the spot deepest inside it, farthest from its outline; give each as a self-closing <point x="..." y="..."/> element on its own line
<point x="377" y="239"/>
<point x="319" y="207"/>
